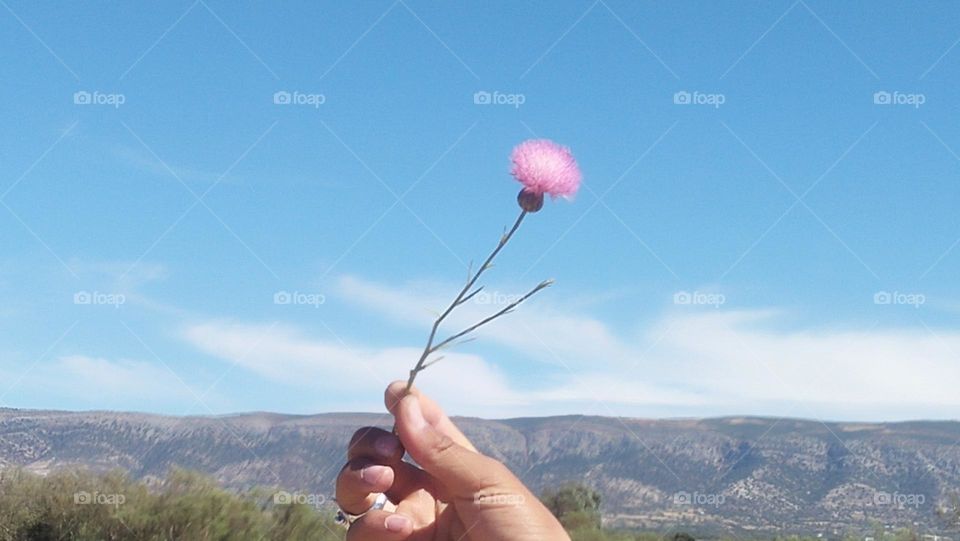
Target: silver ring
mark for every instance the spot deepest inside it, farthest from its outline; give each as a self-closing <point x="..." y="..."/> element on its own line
<point x="346" y="519"/>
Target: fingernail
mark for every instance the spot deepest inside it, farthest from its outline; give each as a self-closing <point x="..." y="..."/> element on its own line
<point x="386" y="445"/>
<point x="417" y="422"/>
<point x="371" y="475"/>
<point x="396" y="523"/>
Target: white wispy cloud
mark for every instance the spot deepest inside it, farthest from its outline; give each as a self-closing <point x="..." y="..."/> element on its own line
<point x="729" y="359"/>
<point x="129" y="278"/>
<point x="737" y="351"/>
<point x="141" y="160"/>
<point x="687" y="362"/>
<point x="285" y="355"/>
<point x="85" y="382"/>
<point x="539" y="330"/>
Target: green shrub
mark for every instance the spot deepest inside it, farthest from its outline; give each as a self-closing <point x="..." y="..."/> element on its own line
<point x="79" y="506"/>
<point x="576" y="506"/>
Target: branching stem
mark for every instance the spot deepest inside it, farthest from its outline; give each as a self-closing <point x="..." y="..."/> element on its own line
<point x="465" y="295"/>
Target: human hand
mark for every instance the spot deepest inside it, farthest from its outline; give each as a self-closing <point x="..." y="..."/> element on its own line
<point x="455" y="494"/>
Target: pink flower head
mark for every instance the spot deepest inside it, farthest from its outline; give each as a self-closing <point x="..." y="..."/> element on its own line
<point x="544" y="167"/>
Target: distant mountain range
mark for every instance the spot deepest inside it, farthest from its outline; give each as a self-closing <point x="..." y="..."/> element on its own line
<point x="737" y="475"/>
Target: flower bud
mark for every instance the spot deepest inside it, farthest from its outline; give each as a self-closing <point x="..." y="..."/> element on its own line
<point x="530" y="201"/>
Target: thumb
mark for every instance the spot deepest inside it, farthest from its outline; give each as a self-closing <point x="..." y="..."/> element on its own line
<point x="463" y="472"/>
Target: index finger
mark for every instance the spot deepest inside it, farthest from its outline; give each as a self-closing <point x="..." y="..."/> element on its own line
<point x="432" y="412"/>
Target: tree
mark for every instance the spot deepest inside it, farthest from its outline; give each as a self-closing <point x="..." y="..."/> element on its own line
<point x="949" y="512"/>
<point x="576" y="506"/>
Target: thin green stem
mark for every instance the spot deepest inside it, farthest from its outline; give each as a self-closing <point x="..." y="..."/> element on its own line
<point x="542" y="285"/>
<point x="459" y="299"/>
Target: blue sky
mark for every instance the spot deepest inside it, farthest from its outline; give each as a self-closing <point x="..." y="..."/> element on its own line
<point x="767" y="225"/>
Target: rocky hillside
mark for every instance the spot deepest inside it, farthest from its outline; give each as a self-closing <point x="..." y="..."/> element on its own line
<point x="711" y="475"/>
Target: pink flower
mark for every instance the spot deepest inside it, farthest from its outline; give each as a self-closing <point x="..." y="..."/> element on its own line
<point x="544" y="167"/>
